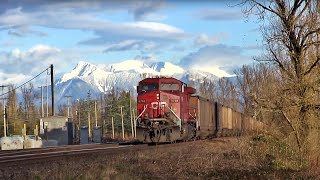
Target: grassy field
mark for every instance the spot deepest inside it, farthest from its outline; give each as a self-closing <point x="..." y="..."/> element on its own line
<point x="229" y="158"/>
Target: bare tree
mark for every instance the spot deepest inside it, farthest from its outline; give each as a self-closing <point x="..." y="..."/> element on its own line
<point x="15" y="124"/>
<point x="291" y="36"/>
<point x="27" y="99"/>
<point x="207" y="88"/>
<point x="31" y="113"/>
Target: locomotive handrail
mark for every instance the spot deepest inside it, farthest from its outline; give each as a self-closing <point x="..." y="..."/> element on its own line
<point x="176" y="116"/>
<point x="192" y="116"/>
<point x="197" y="123"/>
<point x="145" y="107"/>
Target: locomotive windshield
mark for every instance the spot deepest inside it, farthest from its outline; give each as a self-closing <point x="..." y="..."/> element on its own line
<point x="148" y="87"/>
<point x="169" y="87"/>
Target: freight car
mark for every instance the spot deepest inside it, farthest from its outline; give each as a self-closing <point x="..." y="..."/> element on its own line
<point x="169" y="111"/>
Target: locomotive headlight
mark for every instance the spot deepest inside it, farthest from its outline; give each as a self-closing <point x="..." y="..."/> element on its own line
<point x="142" y="101"/>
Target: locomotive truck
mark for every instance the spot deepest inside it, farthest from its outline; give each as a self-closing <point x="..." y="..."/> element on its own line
<point x="168" y="110"/>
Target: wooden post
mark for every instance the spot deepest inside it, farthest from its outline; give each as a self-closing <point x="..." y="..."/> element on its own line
<point x="47" y="133"/>
<point x="36" y="133"/>
<point x="4" y="122"/>
<point x="25" y="131"/>
<point x="132" y="129"/>
<point x="104" y="127"/>
<point x="131" y="120"/>
<point x="112" y="127"/>
<point x="122" y="122"/>
<point x="79" y="118"/>
<point x="95" y="113"/>
<point x="68" y="106"/>
<point x="4" y="113"/>
<point x="89" y="126"/>
<point x="134" y="123"/>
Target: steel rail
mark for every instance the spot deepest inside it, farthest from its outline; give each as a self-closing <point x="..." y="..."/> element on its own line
<point x="43" y="155"/>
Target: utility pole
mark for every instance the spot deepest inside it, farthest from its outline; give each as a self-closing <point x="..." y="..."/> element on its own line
<point x="68" y="108"/>
<point x="47" y="97"/>
<point x="42" y="110"/>
<point x="4" y="112"/>
<point x="122" y="122"/>
<point x="52" y="89"/>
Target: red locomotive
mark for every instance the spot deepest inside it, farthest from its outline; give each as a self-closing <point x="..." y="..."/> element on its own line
<point x="163" y="108"/>
<point x="167" y="111"/>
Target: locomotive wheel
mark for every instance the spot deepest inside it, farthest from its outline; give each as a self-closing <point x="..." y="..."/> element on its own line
<point x="158" y="134"/>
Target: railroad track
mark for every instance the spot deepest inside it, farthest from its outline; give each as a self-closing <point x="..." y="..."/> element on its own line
<point x="56" y="148"/>
<point x="16" y="156"/>
<point x="33" y="154"/>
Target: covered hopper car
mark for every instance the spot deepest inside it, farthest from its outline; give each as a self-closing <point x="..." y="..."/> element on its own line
<point x="169" y="111"/>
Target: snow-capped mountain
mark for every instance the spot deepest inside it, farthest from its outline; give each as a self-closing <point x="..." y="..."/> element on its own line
<point x="167" y="68"/>
<point x="123" y="76"/>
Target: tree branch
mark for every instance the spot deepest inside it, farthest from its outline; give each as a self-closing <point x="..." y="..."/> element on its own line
<point x="267" y="8"/>
<point x="315" y="63"/>
<point x="307" y="4"/>
<point x="304" y="38"/>
<point x="292" y="127"/>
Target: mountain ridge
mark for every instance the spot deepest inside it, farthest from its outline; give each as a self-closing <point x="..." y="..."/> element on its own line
<point x="124" y="75"/>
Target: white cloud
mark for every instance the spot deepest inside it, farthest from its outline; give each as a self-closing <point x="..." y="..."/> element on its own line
<point x="20" y="21"/>
<point x="145" y="10"/>
<point x="131" y="45"/>
<point x="155" y="27"/>
<point x="212" y="69"/>
<point x="105" y="31"/>
<point x="154" y="17"/>
<point x="148" y="58"/>
<point x="204" y="39"/>
<point x="226" y="14"/>
<point x="18" y="65"/>
<point x="140" y="10"/>
<point x="218" y="59"/>
<point x="13" y="78"/>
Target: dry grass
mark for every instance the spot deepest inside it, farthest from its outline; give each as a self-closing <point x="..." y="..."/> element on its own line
<point x="231" y="158"/>
<point x="228" y="159"/>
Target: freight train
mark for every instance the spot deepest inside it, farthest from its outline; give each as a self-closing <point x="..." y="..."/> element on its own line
<point x="168" y="110"/>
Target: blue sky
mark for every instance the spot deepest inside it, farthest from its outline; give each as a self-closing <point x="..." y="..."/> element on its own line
<point x="202" y="34"/>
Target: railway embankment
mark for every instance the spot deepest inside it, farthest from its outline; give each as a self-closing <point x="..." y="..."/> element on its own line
<point x="257" y="157"/>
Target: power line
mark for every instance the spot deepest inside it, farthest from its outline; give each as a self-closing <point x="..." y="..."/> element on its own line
<point x="25" y="82"/>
